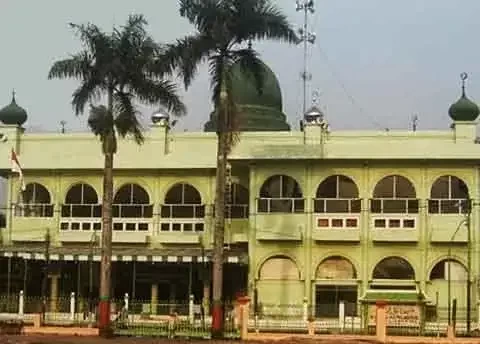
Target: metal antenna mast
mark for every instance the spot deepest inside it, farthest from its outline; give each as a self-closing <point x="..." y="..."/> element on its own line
<point x="306" y="37"/>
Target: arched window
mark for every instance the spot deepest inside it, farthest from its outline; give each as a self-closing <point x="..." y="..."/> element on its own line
<point x="182" y="202"/>
<point x="237" y="204"/>
<point x="81" y="201"/>
<point x="337" y="194"/>
<point x="449" y="195"/>
<point x="280" y="194"/>
<point x="394" y="195"/>
<point x="279" y="268"/>
<point x="36" y="202"/>
<point x="329" y="295"/>
<point x="336" y="268"/>
<point x="132" y="201"/>
<point x="394" y="268"/>
<point x="449" y="267"/>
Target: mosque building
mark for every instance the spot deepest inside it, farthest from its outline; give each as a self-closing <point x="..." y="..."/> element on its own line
<point x="313" y="214"/>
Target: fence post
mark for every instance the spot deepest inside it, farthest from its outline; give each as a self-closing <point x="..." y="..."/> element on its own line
<point x="190" y="308"/>
<point x="305" y="309"/>
<point x="341" y="315"/>
<point x="244" y="303"/>
<point x="381" y="326"/>
<point x="72" y="306"/>
<point x="125" y="300"/>
<point x="21" y="303"/>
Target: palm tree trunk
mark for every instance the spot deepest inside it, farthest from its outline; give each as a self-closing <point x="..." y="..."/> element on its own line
<point x="105" y="268"/>
<point x="218" y="238"/>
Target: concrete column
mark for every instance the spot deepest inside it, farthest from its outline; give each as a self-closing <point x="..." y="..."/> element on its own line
<point x="72" y="306"/>
<point x="305" y="309"/>
<point x="154" y="299"/>
<point x="341" y="315"/>
<point x="191" y="314"/>
<point x="381" y="326"/>
<point x="21" y="303"/>
<point x="244" y="305"/>
<point x="53" y="292"/>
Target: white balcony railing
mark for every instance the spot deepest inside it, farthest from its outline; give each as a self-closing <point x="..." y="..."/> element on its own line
<point x="281" y="205"/>
<point x="81" y="210"/>
<point x="394" y="205"/>
<point x="81" y="217"/>
<point x="337" y="205"/>
<point x="234" y="211"/>
<point x="33" y="210"/>
<point x="182" y="211"/>
<point x="136" y="211"/>
<point x="237" y="211"/>
<point x="449" y="206"/>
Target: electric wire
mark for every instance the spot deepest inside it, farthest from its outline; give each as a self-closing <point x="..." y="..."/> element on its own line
<point x="342" y="85"/>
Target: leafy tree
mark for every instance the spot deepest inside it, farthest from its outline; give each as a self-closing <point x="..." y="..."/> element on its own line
<point x="118" y="65"/>
<point x="223" y="27"/>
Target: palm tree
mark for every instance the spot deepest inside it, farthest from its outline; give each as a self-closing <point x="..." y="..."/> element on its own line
<point x="223" y="27"/>
<point x="119" y="65"/>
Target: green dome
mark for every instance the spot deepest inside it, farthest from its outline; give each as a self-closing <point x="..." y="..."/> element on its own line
<point x="464" y="109"/>
<point x="13" y="114"/>
<point x="245" y="90"/>
<point x="258" y="111"/>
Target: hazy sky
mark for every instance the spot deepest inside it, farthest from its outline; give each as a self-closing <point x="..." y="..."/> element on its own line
<point x="376" y="62"/>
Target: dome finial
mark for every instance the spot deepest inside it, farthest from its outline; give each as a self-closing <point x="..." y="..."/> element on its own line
<point x="13" y="96"/>
<point x="463" y="77"/>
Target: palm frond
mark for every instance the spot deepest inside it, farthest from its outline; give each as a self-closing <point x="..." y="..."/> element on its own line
<point x="76" y="67"/>
<point x="162" y="92"/>
<point x="101" y="124"/>
<point x="185" y="56"/>
<point x="98" y="120"/>
<point x="87" y="92"/>
<point x="126" y="117"/>
<point x="203" y="14"/>
<point x="263" y="21"/>
<point x="97" y="42"/>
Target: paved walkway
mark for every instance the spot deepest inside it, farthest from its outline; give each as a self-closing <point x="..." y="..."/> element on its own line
<point x="303" y="338"/>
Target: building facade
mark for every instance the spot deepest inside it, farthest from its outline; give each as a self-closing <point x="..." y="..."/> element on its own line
<point x="315" y="215"/>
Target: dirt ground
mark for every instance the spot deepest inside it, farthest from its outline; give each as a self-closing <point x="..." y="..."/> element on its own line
<point x="267" y="339"/>
<point x="124" y="340"/>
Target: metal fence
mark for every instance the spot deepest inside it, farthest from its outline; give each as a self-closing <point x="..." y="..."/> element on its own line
<point x="129" y="317"/>
<point x="187" y="319"/>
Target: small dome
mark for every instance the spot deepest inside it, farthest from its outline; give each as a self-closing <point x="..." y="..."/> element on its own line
<point x="160" y="115"/>
<point x="313" y="114"/>
<point x="13" y="114"/>
<point x="464" y="109"/>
